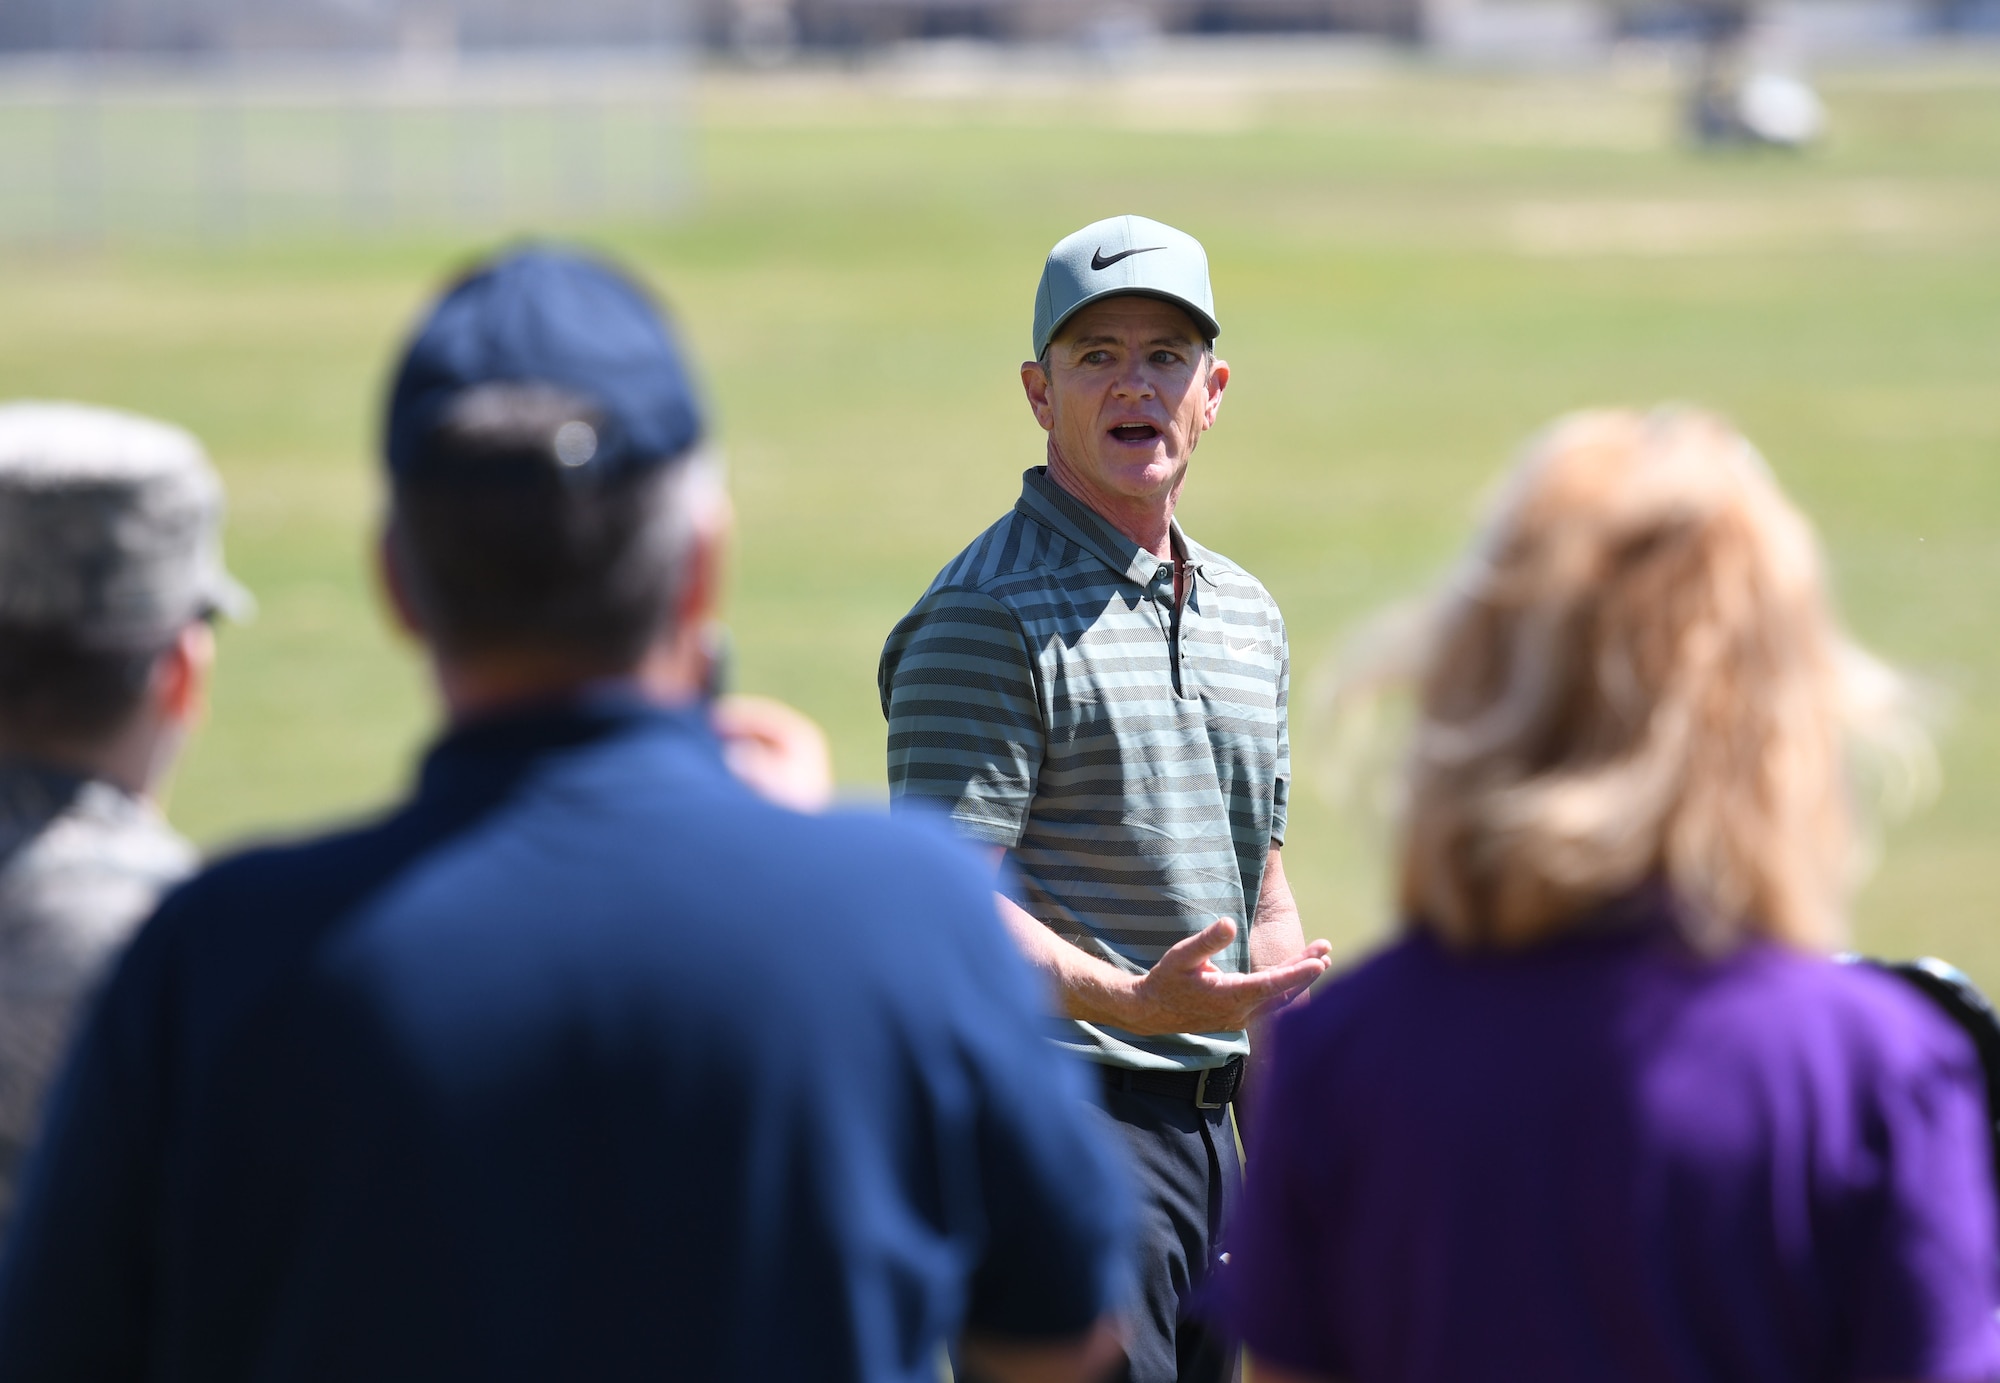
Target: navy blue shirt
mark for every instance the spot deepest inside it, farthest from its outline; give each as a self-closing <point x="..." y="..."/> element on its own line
<point x="585" y="1064"/>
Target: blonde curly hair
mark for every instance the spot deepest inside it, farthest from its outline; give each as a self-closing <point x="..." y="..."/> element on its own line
<point x="1637" y="673"/>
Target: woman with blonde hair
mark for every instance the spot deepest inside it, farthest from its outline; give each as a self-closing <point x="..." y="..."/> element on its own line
<point x="1607" y="1110"/>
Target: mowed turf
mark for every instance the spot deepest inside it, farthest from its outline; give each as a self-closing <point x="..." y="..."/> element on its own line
<point x="1414" y="270"/>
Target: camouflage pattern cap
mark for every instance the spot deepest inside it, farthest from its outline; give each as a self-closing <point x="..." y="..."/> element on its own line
<point x="109" y="525"/>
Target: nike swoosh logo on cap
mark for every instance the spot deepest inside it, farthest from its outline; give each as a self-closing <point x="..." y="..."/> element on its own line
<point x="1100" y="260"/>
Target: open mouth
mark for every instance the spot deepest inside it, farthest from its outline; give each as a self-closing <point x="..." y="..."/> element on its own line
<point x="1135" y="432"/>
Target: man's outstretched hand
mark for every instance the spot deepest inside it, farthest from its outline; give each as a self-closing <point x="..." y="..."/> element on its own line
<point x="1185" y="992"/>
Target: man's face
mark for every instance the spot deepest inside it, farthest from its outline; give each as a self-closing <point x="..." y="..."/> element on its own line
<point x="1128" y="391"/>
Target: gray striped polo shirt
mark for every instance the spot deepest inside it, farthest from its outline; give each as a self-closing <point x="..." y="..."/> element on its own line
<point x="1134" y="761"/>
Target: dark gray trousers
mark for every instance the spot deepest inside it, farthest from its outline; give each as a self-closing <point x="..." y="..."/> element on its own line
<point x="1187" y="1175"/>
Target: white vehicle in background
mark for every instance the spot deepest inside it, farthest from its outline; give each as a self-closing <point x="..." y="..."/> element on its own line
<point x="1780" y="108"/>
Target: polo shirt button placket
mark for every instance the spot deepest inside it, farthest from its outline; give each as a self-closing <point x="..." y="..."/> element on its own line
<point x="1166" y="604"/>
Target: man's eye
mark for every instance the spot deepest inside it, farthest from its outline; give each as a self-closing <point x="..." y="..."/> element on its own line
<point x="1165" y="358"/>
<point x="1096" y="357"/>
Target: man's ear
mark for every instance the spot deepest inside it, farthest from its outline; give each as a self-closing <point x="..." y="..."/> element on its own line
<point x="1035" y="383"/>
<point x="708" y="558"/>
<point x="1218" y="380"/>
<point x="394" y="582"/>
<point x="181" y="675"/>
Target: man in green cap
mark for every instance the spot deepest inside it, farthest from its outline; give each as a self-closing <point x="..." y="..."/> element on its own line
<point x="1102" y="700"/>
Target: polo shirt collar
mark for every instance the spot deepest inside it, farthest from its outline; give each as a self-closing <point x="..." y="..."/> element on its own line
<point x="1055" y="508"/>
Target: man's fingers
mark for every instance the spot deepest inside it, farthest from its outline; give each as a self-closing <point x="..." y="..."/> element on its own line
<point x="1189" y="954"/>
<point x="1194" y="996"/>
<point x="1272" y="984"/>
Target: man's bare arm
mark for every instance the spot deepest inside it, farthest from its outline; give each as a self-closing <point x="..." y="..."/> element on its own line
<point x="1277" y="940"/>
<point x="1183" y="992"/>
<point x="991" y="1359"/>
<point x="1265" y="1372"/>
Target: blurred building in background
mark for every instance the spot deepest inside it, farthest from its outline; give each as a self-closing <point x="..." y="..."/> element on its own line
<point x="861" y="23"/>
<point x="240" y="25"/>
<point x="234" y="119"/>
<point x="206" y="26"/>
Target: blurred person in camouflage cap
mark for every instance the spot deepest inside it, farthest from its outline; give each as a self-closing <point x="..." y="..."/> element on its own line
<point x="110" y="571"/>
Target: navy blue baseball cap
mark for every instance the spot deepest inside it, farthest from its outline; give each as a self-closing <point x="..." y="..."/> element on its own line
<point x="563" y="324"/>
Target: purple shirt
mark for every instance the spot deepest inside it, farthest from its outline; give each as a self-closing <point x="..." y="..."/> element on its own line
<point x="1606" y="1158"/>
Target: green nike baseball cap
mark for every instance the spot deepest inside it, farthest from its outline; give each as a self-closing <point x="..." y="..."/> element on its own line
<point x="1126" y="254"/>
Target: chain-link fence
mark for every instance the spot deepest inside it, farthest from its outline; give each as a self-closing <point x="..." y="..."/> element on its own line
<point x="119" y="147"/>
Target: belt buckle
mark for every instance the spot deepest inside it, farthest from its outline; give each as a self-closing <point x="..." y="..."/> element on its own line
<point x="1201" y="1090"/>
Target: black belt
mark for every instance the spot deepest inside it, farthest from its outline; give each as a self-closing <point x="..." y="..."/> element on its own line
<point x="1210" y="1089"/>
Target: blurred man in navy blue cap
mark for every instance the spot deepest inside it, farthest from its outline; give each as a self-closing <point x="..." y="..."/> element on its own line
<point x="587" y="1062"/>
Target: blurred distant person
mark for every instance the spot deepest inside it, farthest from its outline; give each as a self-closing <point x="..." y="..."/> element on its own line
<point x="1089" y="691"/>
<point x="587" y="1062"/>
<point x="110" y="570"/>
<point x="1738" y="97"/>
<point x="1608" y="1110"/>
<point x="1719" y="29"/>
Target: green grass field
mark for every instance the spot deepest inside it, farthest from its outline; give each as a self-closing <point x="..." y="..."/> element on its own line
<point x="1414" y="270"/>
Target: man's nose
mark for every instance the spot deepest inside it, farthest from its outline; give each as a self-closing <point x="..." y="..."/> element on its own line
<point x="1134" y="383"/>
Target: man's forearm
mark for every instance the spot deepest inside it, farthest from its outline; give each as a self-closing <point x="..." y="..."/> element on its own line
<point x="1090" y="990"/>
<point x="1184" y="991"/>
<point x="1276" y="937"/>
<point x="1266" y="1372"/>
<point x="986" y="1359"/>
